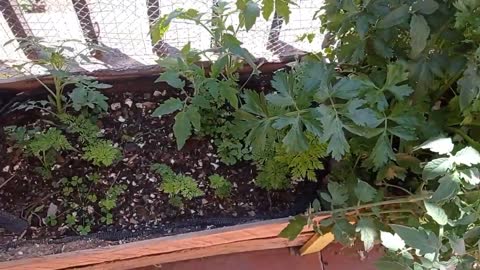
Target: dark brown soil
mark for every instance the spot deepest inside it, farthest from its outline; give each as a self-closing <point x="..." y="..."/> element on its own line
<point x="144" y="140"/>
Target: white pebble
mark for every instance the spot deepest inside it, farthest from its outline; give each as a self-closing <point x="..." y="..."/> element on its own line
<point x="215" y="166"/>
<point x="157" y="93"/>
<point x="128" y="102"/>
<point x="115" y="106"/>
<point x="6" y="168"/>
<point x="121" y="119"/>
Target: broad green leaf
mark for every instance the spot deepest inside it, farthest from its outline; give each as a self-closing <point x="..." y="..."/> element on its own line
<point x="368" y="232"/>
<point x="471" y="176"/>
<point x="425" y="6"/>
<point x="419" y="33"/>
<point x="255" y="103"/>
<point x="258" y="135"/>
<point x="338" y="193"/>
<point x="436" y="212"/>
<point x="169" y="106"/>
<point x="396" y="73"/>
<point x="182" y="129"/>
<point x="447" y="189"/>
<point x="400" y="91"/>
<point x="362" y="25"/>
<point x="362" y="116"/>
<point x="294" y="228"/>
<point x="267" y="8"/>
<point x="233" y="45"/>
<point x="249" y="13"/>
<point x="295" y="140"/>
<point x="230" y="94"/>
<point x="346" y="88"/>
<point x="282" y="9"/>
<point x="392" y="241"/>
<point x="467" y="156"/>
<point x="194" y="117"/>
<point x="419" y="239"/>
<point x="333" y="132"/>
<point x="343" y="231"/>
<point x="395" y="17"/>
<point x="403" y="132"/>
<point x="282" y="83"/>
<point x="436" y="168"/>
<point x="382" y="152"/>
<point x="365" y="192"/>
<point x="440" y="145"/>
<point x="171" y="77"/>
<point x="469" y="85"/>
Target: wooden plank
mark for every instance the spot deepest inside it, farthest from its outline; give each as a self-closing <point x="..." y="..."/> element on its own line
<point x="237" y="247"/>
<point x="164" y="245"/>
<point x="274" y="33"/>
<point x="19" y="26"/>
<point x="316" y="243"/>
<point x="86" y="23"/>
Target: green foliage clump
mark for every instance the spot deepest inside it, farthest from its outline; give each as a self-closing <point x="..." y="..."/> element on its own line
<point x="304" y="164"/>
<point x="273" y="176"/>
<point x="86" y="94"/>
<point x="46" y="145"/>
<point x="87" y="130"/>
<point x="101" y="153"/>
<point x="110" y="202"/>
<point x="222" y="186"/>
<point x="177" y="186"/>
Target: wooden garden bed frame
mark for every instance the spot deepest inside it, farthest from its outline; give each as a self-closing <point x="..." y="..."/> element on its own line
<point x="254" y="236"/>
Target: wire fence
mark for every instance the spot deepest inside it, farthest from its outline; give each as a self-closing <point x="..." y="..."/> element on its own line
<point x="124" y="27"/>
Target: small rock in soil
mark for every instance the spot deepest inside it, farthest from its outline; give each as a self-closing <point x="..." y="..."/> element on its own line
<point x="251" y="213"/>
<point x="204" y="201"/>
<point x="115" y="106"/>
<point x="157" y="93"/>
<point x="128" y="102"/>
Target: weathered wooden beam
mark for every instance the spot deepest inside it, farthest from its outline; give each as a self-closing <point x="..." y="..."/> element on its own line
<point x="160" y="47"/>
<point x="274" y="33"/>
<point x="14" y="17"/>
<point x="86" y="23"/>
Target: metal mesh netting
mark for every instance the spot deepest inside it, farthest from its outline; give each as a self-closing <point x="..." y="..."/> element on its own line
<point x="124" y="26"/>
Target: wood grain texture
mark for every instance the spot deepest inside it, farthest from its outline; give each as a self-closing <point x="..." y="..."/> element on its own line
<point x="236" y="247"/>
<point x="158" y="246"/>
<point x="316" y="243"/>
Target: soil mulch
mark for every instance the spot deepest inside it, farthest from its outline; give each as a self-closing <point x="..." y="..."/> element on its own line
<point x="144" y="140"/>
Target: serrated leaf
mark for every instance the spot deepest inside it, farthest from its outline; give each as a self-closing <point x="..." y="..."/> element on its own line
<point x="395" y="17"/>
<point x="436" y="168"/>
<point x="467" y="156"/>
<point x="418" y="239"/>
<point x="294" y="228"/>
<point x="440" y="145"/>
<point x="392" y="241"/>
<point x="169" y="106"/>
<point x="281" y="82"/>
<point x="447" y="189"/>
<point x="338" y="193"/>
<point x="364" y="192"/>
<point x="182" y="129"/>
<point x="295" y="140"/>
<point x="400" y="91"/>
<point x="326" y="197"/>
<point x="425" y="6"/>
<point x="403" y="132"/>
<point x="250" y="14"/>
<point x="362" y="116"/>
<point x="346" y="88"/>
<point x="282" y="9"/>
<point x="368" y="232"/>
<point x="230" y="94"/>
<point x="172" y="78"/>
<point x="436" y="212"/>
<point x="419" y="33"/>
<point x="267" y="8"/>
<point x="333" y="132"/>
<point x="194" y="117"/>
<point x="382" y="152"/>
<point x="471" y="176"/>
<point x="343" y="231"/>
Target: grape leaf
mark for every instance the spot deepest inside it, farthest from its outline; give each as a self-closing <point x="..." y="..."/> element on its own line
<point x="368" y="232"/>
<point x="169" y="106"/>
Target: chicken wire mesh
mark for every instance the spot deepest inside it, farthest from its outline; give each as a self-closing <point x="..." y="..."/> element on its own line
<point x="123" y="26"/>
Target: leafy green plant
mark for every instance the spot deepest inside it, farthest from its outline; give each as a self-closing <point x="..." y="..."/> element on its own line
<point x="303" y="165"/>
<point x="86" y="129"/>
<point x="222" y="186"/>
<point x="101" y="153"/>
<point x="273" y="176"/>
<point x="86" y="94"/>
<point x="110" y="202"/>
<point x="46" y="145"/>
<point x="177" y="186"/>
